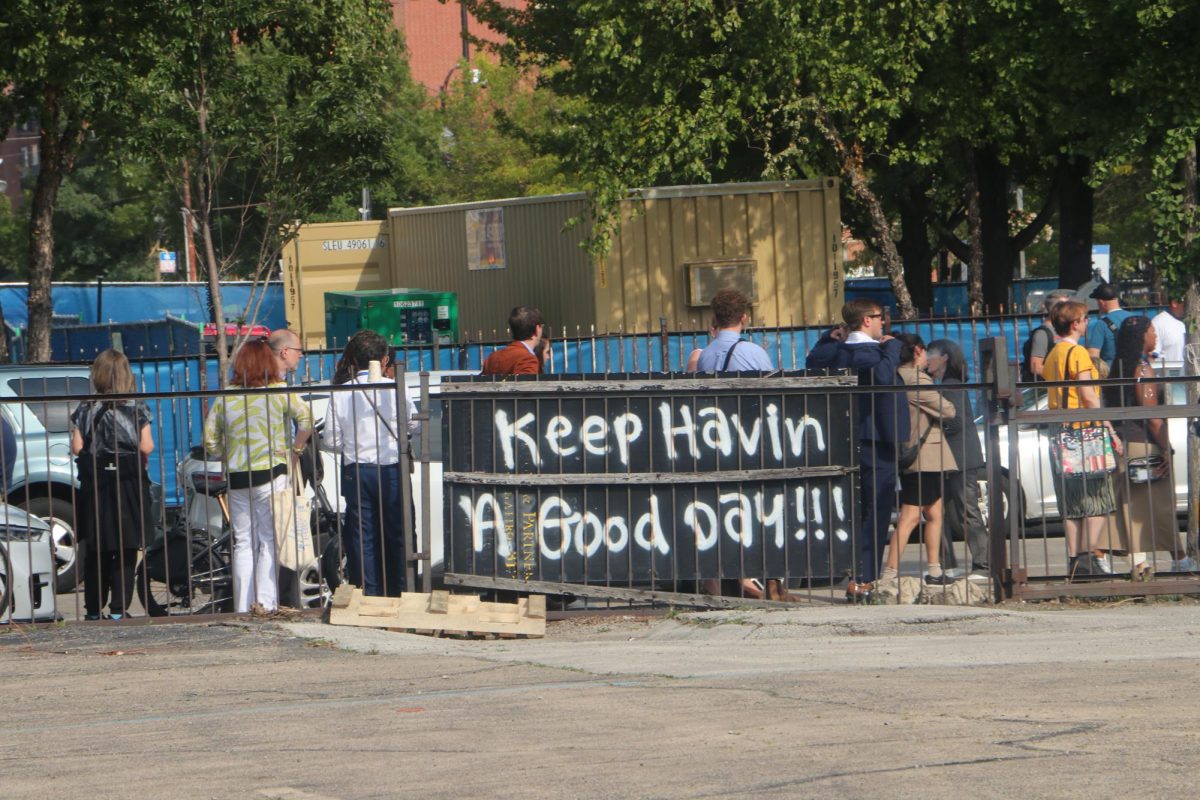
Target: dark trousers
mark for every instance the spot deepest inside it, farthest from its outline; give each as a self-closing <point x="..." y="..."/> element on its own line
<point x="108" y="580"/>
<point x="964" y="516"/>
<point x="877" y="462"/>
<point x="373" y="536"/>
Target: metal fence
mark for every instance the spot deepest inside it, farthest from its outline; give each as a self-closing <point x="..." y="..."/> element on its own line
<point x="97" y="523"/>
<point x="1135" y="540"/>
<point x="713" y="490"/>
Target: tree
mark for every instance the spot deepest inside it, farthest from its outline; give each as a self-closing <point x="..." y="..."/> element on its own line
<point x="270" y="112"/>
<point x="69" y="65"/>
<point x="498" y="139"/>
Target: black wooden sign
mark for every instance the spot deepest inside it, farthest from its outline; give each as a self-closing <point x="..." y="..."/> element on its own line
<point x="633" y="479"/>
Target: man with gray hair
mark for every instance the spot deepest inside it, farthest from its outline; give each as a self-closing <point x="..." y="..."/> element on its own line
<point x="1041" y="339"/>
<point x="285" y="344"/>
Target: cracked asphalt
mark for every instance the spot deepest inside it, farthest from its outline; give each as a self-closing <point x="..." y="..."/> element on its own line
<point x="812" y="702"/>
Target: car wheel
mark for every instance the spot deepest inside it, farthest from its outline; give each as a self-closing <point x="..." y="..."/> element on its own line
<point x="314" y="591"/>
<point x="59" y="514"/>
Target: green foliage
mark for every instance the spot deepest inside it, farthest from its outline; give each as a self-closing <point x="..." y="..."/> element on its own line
<point x="14" y="242"/>
<point x="281" y="111"/>
<point x="500" y="133"/>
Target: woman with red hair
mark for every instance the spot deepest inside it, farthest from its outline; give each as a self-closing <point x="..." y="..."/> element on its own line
<point x="255" y="434"/>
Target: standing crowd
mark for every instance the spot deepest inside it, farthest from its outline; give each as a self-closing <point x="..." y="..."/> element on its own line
<point x="918" y="449"/>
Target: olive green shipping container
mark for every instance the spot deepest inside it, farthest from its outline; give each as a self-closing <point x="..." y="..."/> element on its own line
<point x="779" y="242"/>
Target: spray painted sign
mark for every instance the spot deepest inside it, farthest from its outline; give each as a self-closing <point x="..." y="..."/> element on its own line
<point x="570" y="481"/>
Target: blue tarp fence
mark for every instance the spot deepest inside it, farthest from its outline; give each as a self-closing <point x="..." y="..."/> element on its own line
<point x="179" y="425"/>
<point x="97" y="304"/>
<point x="949" y="299"/>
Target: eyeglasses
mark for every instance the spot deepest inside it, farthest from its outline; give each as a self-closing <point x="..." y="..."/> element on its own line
<point x="874" y="316"/>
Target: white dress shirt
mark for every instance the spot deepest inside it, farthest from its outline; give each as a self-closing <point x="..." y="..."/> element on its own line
<point x="361" y="425"/>
<point x="1172" y="336"/>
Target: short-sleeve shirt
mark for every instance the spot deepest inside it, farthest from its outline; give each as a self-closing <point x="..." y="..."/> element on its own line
<point x="1040" y="345"/>
<point x="253" y="432"/>
<point x="1172" y="336"/>
<point x="1100" y="336"/>
<point x="110" y="429"/>
<point x="748" y="357"/>
<point x="1066" y="362"/>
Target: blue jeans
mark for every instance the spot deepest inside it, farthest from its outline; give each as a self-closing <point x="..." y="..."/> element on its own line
<point x="373" y="536"/>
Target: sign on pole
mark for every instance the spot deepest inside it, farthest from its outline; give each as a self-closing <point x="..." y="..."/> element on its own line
<point x="166" y="262"/>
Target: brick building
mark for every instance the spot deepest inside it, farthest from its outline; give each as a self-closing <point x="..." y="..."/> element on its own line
<point x="433" y="32"/>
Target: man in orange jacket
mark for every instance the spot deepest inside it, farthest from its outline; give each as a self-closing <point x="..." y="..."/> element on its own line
<point x="520" y="357"/>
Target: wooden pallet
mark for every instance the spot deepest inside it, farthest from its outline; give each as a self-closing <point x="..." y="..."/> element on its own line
<point x="440" y="613"/>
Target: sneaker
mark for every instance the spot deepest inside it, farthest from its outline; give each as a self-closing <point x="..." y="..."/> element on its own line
<point x="1102" y="565"/>
<point x="1185" y="564"/>
<point x="938" y="580"/>
<point x="954" y="573"/>
<point x="1082" y="566"/>
<point x="979" y="575"/>
<point x="116" y="616"/>
<point x="92" y="617"/>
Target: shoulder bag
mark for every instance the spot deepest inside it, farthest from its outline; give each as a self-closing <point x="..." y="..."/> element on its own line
<point x="1084" y="450"/>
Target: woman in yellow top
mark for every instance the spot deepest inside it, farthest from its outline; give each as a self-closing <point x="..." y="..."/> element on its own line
<point x="1085" y="499"/>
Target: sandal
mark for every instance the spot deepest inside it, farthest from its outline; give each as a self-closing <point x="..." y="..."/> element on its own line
<point x="777" y="591"/>
<point x="859" y="592"/>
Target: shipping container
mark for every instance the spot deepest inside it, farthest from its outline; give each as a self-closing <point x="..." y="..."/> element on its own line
<point x="331" y="257"/>
<point x="779" y="242"/>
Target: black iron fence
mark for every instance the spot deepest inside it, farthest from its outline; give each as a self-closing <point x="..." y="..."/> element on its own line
<point x="715" y="490"/>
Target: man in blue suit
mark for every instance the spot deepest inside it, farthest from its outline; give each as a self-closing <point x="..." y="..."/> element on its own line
<point x="882" y="420"/>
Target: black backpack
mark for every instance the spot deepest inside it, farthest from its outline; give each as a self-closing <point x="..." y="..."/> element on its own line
<point x="1027" y="375"/>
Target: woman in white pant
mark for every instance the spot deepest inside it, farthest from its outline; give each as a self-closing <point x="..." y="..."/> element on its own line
<point x="253" y="435"/>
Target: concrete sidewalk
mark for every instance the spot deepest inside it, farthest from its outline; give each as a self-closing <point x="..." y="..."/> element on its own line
<point x="812" y="702"/>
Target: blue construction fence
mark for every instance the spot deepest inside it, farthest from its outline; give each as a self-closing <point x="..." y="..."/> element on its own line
<point x="179" y="426"/>
<point x="99" y="303"/>
<point x="949" y="299"/>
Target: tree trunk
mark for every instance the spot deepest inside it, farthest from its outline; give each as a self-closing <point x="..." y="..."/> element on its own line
<point x="914" y="247"/>
<point x="850" y="159"/>
<point x="212" y="267"/>
<point x="998" y="258"/>
<point x="1075" y="212"/>
<point x="975" y="242"/>
<point x="55" y="161"/>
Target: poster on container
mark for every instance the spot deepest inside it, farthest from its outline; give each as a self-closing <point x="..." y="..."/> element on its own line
<point x="485" y="238"/>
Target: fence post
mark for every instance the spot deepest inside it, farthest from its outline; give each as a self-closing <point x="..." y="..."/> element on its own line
<point x="996" y="371"/>
<point x="406" y="510"/>
<point x="424" y="541"/>
<point x="664" y="344"/>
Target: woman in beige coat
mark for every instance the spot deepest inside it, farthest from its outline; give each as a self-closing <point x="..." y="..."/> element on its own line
<point x="921" y="483"/>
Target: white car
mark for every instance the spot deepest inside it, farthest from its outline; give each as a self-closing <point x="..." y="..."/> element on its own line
<point x="27" y="568"/>
<point x="1036" y="481"/>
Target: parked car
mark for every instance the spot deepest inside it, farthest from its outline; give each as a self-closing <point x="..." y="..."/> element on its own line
<point x="44" y="476"/>
<point x="27" y="570"/>
<point x="1035" y="479"/>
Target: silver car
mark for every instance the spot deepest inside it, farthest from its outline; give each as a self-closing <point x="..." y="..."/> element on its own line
<point x="27" y="571"/>
<point x="44" y="475"/>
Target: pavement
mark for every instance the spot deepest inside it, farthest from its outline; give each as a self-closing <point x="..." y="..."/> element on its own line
<point x="1047" y="700"/>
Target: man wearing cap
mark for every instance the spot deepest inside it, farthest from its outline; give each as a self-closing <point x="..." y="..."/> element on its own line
<point x="1101" y="339"/>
